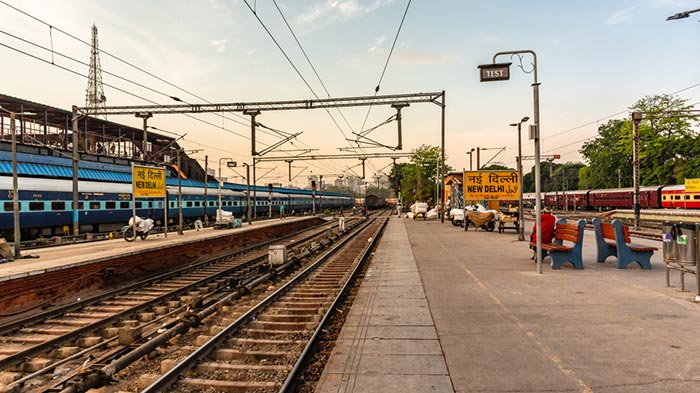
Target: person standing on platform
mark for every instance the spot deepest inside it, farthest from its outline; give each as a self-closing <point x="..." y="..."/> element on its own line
<point x="398" y="209"/>
<point x="282" y="211"/>
<point x="353" y="210"/>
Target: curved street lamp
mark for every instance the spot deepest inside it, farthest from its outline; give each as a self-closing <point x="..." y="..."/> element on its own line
<point x="521" y="224"/>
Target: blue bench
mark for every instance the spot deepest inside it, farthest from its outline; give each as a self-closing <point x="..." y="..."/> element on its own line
<point x="613" y="239"/>
<point x="560" y="253"/>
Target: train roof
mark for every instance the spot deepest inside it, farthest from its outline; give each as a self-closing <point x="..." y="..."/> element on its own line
<point x="626" y="189"/>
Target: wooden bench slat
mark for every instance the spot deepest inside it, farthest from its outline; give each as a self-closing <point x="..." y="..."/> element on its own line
<point x="626" y="252"/>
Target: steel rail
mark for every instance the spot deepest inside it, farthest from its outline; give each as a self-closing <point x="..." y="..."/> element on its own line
<point x="170" y="377"/>
<point x="97" y="377"/>
<point x="18" y="357"/>
<point x="307" y="349"/>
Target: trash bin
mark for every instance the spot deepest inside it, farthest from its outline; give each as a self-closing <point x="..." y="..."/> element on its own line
<point x="680" y="242"/>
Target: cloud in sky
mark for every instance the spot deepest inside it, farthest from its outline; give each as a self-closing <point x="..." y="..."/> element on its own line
<point x="219" y="45"/>
<point x="621" y="16"/>
<point x="416" y="57"/>
<point x="377" y="43"/>
<point x="331" y="10"/>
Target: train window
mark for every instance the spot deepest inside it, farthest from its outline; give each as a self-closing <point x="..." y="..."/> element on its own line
<point x="58" y="205"/>
<point x="95" y="205"/>
<point x="677" y="197"/>
<point x="138" y="205"/>
<point x="696" y="197"/>
<point x="36" y="206"/>
<point x="197" y="204"/>
<point x="81" y="205"/>
<point x="686" y="197"/>
<point x="7" y="206"/>
<point x="211" y="203"/>
<point x="110" y="205"/>
<point x="123" y="205"/>
<point x="188" y="204"/>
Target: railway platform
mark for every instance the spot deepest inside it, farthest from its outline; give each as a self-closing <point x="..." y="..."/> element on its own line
<point x="43" y="260"/>
<point x="443" y="310"/>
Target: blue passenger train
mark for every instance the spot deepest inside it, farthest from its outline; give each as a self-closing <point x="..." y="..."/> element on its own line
<point x="46" y="204"/>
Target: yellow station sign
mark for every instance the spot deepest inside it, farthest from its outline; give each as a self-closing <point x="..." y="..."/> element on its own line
<point x="692" y="185"/>
<point x="491" y="185"/>
<point x="148" y="182"/>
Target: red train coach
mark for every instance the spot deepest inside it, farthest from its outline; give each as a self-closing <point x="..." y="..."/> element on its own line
<point x="623" y="198"/>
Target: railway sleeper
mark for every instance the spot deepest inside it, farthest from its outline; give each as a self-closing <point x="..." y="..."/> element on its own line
<point x="268" y="333"/>
<point x="288" y="318"/>
<point x="283" y="326"/>
<point x="229" y="386"/>
<point x="234" y="355"/>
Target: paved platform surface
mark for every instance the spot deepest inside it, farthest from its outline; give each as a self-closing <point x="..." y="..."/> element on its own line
<point x="65" y="256"/>
<point x="492" y="324"/>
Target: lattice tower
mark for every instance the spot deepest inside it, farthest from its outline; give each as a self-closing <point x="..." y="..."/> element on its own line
<point x="95" y="98"/>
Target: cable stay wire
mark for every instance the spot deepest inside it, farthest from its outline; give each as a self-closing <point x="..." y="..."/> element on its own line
<point x="278" y="132"/>
<point x="386" y="64"/>
<point x="51" y="27"/>
<point x="328" y="94"/>
<point x="291" y="63"/>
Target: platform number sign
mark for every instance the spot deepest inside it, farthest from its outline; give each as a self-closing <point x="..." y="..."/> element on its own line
<point x="692" y="185"/>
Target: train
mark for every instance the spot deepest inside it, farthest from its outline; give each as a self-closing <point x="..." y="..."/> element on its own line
<point x="46" y="204"/>
<point x="650" y="197"/>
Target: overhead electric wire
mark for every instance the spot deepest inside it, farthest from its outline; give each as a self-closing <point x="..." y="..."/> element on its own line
<point x="289" y="60"/>
<point x="114" y="75"/>
<point x="310" y="63"/>
<point x="386" y="64"/>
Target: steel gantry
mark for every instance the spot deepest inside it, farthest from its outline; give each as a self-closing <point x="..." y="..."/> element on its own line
<point x="254" y="109"/>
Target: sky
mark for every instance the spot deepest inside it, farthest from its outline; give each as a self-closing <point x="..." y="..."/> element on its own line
<point x="595" y="59"/>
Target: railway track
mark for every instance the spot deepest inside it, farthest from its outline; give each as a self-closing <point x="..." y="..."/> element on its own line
<point x="263" y="349"/>
<point x="54" y="345"/>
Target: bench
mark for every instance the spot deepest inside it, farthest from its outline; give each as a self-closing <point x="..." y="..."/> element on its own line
<point x="613" y="239"/>
<point x="560" y="253"/>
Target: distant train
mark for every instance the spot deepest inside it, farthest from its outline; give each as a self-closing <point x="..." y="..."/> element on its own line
<point x="650" y="197"/>
<point x="46" y="204"/>
<point x="374" y="202"/>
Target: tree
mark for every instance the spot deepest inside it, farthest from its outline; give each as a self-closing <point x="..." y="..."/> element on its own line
<point x="668" y="147"/>
<point x="418" y="179"/>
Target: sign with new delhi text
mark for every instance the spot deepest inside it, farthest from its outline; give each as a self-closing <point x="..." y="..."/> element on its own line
<point x="148" y="181"/>
<point x="491" y="185"/>
<point x="494" y="72"/>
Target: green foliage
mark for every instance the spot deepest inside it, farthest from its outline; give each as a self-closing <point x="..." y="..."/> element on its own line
<point x="497" y="167"/>
<point x="669" y="147"/>
<point x="418" y="178"/>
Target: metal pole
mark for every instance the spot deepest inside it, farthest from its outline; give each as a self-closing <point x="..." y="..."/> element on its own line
<point x="442" y="164"/>
<point x="15" y="188"/>
<point x="636" y="118"/>
<point x="206" y="187"/>
<point x="535" y="133"/>
<point x="478" y="158"/>
<point x="218" y="212"/>
<point x="179" y="194"/>
<point x="247" y="186"/>
<point x="255" y="193"/>
<point x="74" y="125"/>
<point x="538" y="201"/>
<point x="521" y="224"/>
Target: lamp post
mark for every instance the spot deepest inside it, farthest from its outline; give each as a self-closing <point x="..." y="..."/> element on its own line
<point x="534" y="129"/>
<point x="15" y="188"/>
<point x="521" y="225"/>
<point x="228" y="163"/>
<point x="470" y="152"/>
